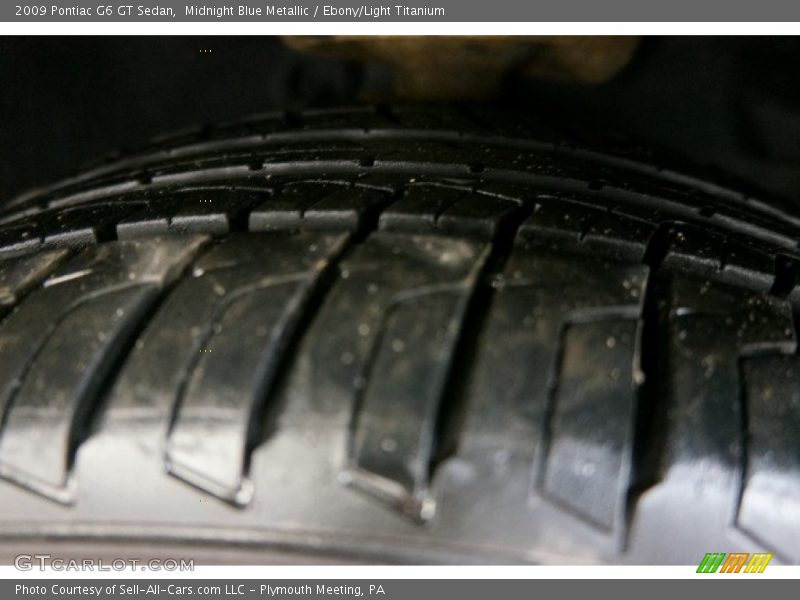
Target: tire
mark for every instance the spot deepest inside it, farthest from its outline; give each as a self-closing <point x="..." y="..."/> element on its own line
<point x="398" y="336"/>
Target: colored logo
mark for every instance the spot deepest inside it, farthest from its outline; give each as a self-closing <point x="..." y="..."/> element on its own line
<point x="737" y="562"/>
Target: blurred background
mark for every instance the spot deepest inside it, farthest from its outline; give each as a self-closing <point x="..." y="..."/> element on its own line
<point x="731" y="104"/>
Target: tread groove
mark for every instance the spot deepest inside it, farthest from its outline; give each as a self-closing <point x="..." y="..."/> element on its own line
<point x="650" y="414"/>
<point x="449" y="418"/>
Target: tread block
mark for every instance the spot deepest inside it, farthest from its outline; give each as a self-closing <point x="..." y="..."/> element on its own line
<point x="383" y="343"/>
<point x="709" y="329"/>
<point x="476" y="214"/>
<point x="769" y="510"/>
<point x="83" y="225"/>
<point x="559" y="218"/>
<point x="18" y="238"/>
<point x="623" y="238"/>
<point x="203" y="211"/>
<point x="86" y="309"/>
<point x="319" y="206"/>
<point x="19" y="275"/>
<point x="420" y="207"/>
<point x="565" y="222"/>
<point x="726" y="259"/>
<point x="257" y="303"/>
<point x="432" y="208"/>
<point x="748" y="266"/>
<point x="695" y="249"/>
<point x="144" y="393"/>
<point x="588" y="461"/>
<point x="207" y="361"/>
<point x="550" y="305"/>
<point x="758" y="322"/>
<point x="287" y="209"/>
<point x="393" y="440"/>
<point x="37" y="438"/>
<point x="73" y="227"/>
<point x="346" y="209"/>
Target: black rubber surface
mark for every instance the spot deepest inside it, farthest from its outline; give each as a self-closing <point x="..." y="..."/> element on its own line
<point x="393" y="335"/>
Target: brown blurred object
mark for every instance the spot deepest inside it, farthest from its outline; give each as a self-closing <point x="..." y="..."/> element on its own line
<point x="471" y="68"/>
